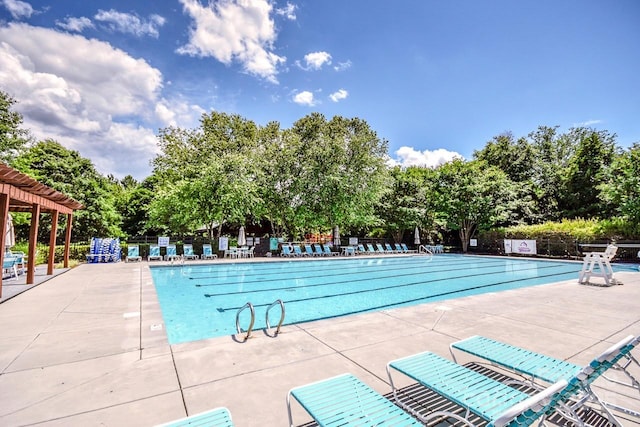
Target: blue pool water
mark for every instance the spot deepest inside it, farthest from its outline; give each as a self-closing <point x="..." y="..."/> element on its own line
<point x="201" y="301"/>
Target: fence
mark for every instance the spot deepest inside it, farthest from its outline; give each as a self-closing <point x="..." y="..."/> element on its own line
<point x="563" y="248"/>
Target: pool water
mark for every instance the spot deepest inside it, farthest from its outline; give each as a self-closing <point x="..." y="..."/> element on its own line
<point x="201" y="301"/>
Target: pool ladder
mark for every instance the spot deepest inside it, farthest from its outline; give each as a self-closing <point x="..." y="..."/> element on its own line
<point x="253" y="318"/>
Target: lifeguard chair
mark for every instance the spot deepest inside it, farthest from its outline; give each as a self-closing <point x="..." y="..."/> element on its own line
<point x="598" y="264"/>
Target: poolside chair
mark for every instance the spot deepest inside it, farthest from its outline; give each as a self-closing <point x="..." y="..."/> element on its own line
<point x="308" y="251"/>
<point x="479" y="396"/>
<point x="10" y="267"/>
<point x="171" y="254"/>
<point x="597" y="264"/>
<point x="537" y="367"/>
<point x="187" y="252"/>
<point x="328" y="251"/>
<point x="286" y="251"/>
<point x="207" y="252"/>
<point x="297" y="251"/>
<point x="218" y="417"/>
<point x="133" y="253"/>
<point x="361" y="250"/>
<point x="370" y="249"/>
<point x="345" y="400"/>
<point x="406" y="249"/>
<point x="21" y="260"/>
<point x="389" y="249"/>
<point x="317" y="250"/>
<point x="154" y="253"/>
<point x="398" y="248"/>
<point x="380" y="249"/>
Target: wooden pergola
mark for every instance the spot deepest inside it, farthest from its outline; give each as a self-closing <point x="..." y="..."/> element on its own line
<point x="21" y="193"/>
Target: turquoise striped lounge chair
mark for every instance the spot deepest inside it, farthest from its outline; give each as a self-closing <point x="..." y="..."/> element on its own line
<point x="133" y="253"/>
<point x="370" y="249"/>
<point x="388" y="249"/>
<point x="308" y="250"/>
<point x="537" y="368"/>
<point x="207" y="252"/>
<point x="328" y="251"/>
<point x="297" y="251"/>
<point x="317" y="250"/>
<point x="406" y="249"/>
<point x="345" y="400"/>
<point x="380" y="249"/>
<point x="171" y="254"/>
<point x="218" y="417"/>
<point x="154" y="253"/>
<point x="286" y="251"/>
<point x="187" y="251"/>
<point x="495" y="403"/>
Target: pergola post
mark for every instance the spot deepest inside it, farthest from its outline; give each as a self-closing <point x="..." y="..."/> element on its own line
<point x="67" y="240"/>
<point x="4" y="213"/>
<point x="52" y="242"/>
<point x="33" y="242"/>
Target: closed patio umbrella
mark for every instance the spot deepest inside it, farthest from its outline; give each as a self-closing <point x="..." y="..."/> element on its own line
<point x="242" y="240"/>
<point x="416" y="236"/>
<point x="10" y="237"/>
<point x="336" y="236"/>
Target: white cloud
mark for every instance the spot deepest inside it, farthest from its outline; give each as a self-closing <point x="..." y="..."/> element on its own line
<point x="304" y="98"/>
<point x="342" y="66"/>
<point x="315" y="60"/>
<point x="587" y="123"/>
<point x="76" y="25"/>
<point x="409" y="156"/>
<point x="289" y="11"/>
<point x="130" y="24"/>
<point x="234" y="30"/>
<point x="88" y="96"/>
<point x="339" y="95"/>
<point x="18" y="9"/>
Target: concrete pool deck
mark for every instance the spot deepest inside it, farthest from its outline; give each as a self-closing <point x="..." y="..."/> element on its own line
<point x="88" y="348"/>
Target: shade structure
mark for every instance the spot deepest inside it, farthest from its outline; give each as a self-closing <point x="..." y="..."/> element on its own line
<point x="242" y="239"/>
<point x="336" y="236"/>
<point x="416" y="236"/>
<point x="10" y="238"/>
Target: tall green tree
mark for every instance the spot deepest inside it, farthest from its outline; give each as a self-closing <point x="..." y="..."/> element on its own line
<point x="68" y="172"/>
<point x="472" y="196"/>
<point x="344" y="172"/>
<point x="13" y="139"/>
<point x="207" y="176"/>
<point x="621" y="186"/>
<point x="280" y="186"/>
<point x="513" y="157"/>
<point x="550" y="162"/>
<point x="594" y="152"/>
<point x="411" y="201"/>
<point x="132" y="199"/>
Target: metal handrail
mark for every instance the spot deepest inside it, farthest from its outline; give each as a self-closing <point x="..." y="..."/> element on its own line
<point x="424" y="249"/>
<point x="253" y="319"/>
<point x="278" y="301"/>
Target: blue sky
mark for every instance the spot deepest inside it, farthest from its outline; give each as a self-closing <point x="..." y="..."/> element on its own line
<point x="434" y="78"/>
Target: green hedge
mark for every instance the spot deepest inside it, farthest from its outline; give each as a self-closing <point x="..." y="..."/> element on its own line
<point x="562" y="239"/>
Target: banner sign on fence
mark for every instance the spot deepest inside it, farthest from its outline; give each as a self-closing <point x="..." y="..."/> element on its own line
<point x="223" y="243"/>
<point x="163" y="241"/>
<point x="522" y="247"/>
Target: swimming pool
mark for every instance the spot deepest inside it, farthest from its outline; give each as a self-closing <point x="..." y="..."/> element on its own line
<point x="201" y="301"/>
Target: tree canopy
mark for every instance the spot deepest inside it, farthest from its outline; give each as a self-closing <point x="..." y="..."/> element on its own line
<point x="321" y="173"/>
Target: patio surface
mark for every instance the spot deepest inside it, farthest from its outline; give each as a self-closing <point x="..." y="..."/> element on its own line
<point x="88" y="348"/>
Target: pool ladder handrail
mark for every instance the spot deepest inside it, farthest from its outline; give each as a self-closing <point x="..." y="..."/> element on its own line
<point x="253" y="319"/>
<point x="424" y="250"/>
<point x="266" y="317"/>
